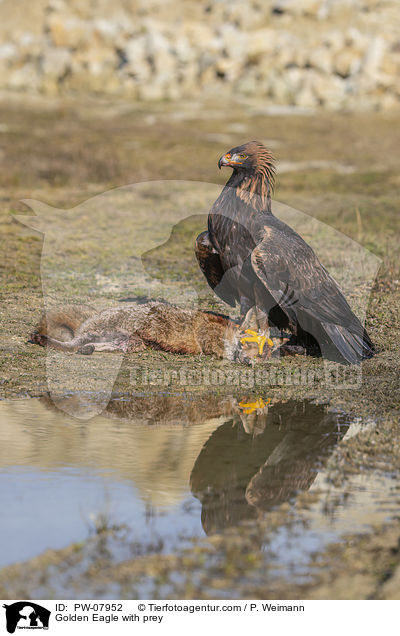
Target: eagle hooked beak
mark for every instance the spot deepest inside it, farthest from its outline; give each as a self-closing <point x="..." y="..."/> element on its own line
<point x="224" y="160"/>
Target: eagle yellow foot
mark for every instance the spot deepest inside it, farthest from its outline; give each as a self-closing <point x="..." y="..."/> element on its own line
<point x="250" y="407"/>
<point x="259" y="338"/>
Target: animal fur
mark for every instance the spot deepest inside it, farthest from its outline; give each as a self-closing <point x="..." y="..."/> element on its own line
<point x="154" y="325"/>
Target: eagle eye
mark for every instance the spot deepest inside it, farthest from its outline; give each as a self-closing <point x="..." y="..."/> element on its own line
<point x="242" y="156"/>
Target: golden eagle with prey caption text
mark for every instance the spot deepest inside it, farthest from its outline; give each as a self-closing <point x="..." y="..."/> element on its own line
<point x="250" y="257"/>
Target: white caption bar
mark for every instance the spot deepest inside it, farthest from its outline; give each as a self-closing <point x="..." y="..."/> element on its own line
<point x="22" y="617"/>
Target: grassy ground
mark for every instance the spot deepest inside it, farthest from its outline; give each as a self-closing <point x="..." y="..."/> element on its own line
<point x="342" y="169"/>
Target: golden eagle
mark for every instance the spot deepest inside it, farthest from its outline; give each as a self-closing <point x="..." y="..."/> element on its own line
<point x="252" y="258"/>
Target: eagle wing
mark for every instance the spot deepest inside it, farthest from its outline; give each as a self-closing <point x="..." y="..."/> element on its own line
<point x="211" y="266"/>
<point x="307" y="293"/>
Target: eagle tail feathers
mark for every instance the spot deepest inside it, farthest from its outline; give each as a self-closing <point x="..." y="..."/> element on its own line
<point x="353" y="347"/>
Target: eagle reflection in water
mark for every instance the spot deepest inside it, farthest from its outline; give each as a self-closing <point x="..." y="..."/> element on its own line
<point x="243" y="457"/>
<point x="258" y="460"/>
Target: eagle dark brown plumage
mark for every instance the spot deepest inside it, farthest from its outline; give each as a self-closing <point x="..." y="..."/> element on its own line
<point x="252" y="258"/>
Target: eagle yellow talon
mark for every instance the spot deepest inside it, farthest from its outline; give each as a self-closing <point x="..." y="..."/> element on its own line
<point x="260" y="339"/>
<point x="250" y="407"/>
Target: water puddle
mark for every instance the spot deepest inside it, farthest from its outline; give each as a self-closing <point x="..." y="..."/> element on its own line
<point x="170" y="466"/>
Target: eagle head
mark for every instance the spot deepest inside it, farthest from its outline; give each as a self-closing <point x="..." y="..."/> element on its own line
<point x="251" y="158"/>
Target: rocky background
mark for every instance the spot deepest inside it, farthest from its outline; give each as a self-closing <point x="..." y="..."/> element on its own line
<point x="308" y="53"/>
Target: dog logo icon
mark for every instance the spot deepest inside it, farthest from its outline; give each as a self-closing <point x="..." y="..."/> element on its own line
<point x="26" y="615"/>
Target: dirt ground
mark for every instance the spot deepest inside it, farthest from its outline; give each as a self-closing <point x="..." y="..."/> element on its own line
<point x="341" y="169"/>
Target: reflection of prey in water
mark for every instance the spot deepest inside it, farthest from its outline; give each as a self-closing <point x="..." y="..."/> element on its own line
<point x="241" y="457"/>
<point x="152" y="409"/>
<point x="255" y="461"/>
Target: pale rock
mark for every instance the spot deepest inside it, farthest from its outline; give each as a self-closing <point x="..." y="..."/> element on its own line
<point x="189" y="78"/>
<point x="384" y="81"/>
<point x="108" y="30"/>
<point x="158" y="52"/>
<point x="156" y="44"/>
<point x="79" y="8"/>
<point x="30" y="46"/>
<point x="208" y="76"/>
<point x="366" y="83"/>
<point x="282" y="59"/>
<point x="55" y="62"/>
<point x="112" y="34"/>
<point x="235" y="42"/>
<point x="28" y="43"/>
<point x="300" y="56"/>
<point x="283" y="87"/>
<point x="136" y="55"/>
<point x="299" y="7"/>
<point x="25" y="40"/>
<point x="96" y="59"/>
<point x="374" y="56"/>
<point x="249" y="83"/>
<point x="183" y="51"/>
<point x="206" y="62"/>
<point x="356" y="39"/>
<point x="294" y="79"/>
<point x="288" y="46"/>
<point x="246" y="18"/>
<point x="321" y="59"/>
<point x="390" y="64"/>
<point x="66" y="30"/>
<point x="347" y="62"/>
<point x="8" y="51"/>
<point x="306" y="98"/>
<point x="261" y="42"/>
<point x="202" y="38"/>
<point x="280" y="89"/>
<point x="228" y="69"/>
<point x="330" y="90"/>
<point x="24" y="78"/>
<point x="135" y="48"/>
<point x="341" y="8"/>
<point x="334" y="40"/>
<point x="270" y="77"/>
<point x="165" y="65"/>
<point x="57" y="5"/>
<point x="325" y="10"/>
